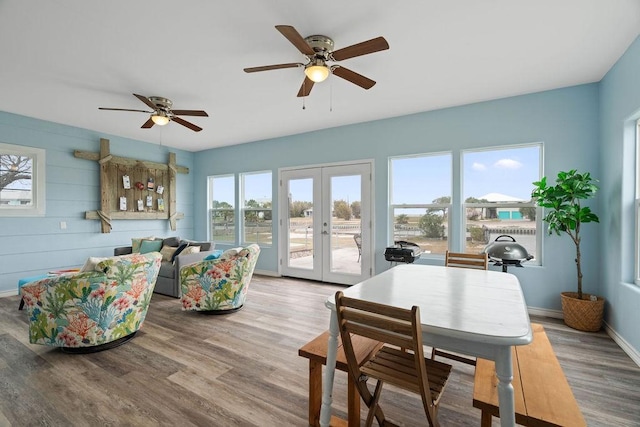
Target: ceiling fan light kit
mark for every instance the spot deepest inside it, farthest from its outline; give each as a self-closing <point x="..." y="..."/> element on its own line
<point x="318" y="50"/>
<point x="317" y="72"/>
<point x="161" y="112"/>
<point x="160" y="118"/>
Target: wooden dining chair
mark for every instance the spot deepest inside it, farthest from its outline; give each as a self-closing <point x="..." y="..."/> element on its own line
<point x="400" y="361"/>
<point x="462" y="260"/>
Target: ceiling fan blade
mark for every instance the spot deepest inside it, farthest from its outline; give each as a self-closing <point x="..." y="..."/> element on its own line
<point x="296" y="39"/>
<point x="146" y="101"/>
<point x="306" y="87"/>
<point x="124" y="109"/>
<point x="364" y="48"/>
<point x="186" y="124"/>
<point x="273" y="67"/>
<point x="149" y="123"/>
<point x="353" y="77"/>
<point x="199" y="113"/>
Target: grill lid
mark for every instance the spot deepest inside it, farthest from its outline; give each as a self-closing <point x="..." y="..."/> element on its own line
<point x="505" y="249"/>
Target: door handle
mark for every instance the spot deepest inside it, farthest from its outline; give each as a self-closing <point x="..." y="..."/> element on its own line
<point x="325" y="232"/>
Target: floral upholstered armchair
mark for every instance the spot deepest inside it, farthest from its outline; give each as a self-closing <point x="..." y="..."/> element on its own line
<point x="92" y="310"/>
<point x="219" y="285"/>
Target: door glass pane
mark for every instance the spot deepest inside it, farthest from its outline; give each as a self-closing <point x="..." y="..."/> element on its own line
<point x="300" y="227"/>
<point x="346" y="196"/>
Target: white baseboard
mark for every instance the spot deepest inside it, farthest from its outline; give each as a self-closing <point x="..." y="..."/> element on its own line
<point x="631" y="352"/>
<point x="266" y="273"/>
<point x="545" y="312"/>
<point x="8" y="293"/>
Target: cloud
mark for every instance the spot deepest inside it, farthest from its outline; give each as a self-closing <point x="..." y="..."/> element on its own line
<point x="478" y="166"/>
<point x="507" y="164"/>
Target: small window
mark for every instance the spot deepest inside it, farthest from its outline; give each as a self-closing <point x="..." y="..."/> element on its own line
<point x="222" y="212"/>
<point x="22" y="181"/>
<point x="421" y="200"/>
<point x="256" y="210"/>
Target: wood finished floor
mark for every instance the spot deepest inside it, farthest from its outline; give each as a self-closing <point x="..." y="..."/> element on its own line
<point x="243" y="369"/>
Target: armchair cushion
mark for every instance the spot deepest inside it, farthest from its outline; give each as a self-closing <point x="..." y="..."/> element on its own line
<point x="218" y="284"/>
<point x="92" y="308"/>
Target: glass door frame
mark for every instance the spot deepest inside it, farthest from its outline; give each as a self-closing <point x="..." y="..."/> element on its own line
<point x="322" y="175"/>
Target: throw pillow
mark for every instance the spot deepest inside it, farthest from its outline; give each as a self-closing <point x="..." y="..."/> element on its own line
<point x="90" y="263"/>
<point x="136" y="242"/>
<point x="167" y="252"/>
<point x="215" y="255"/>
<point x="190" y="250"/>
<point x="150" y="246"/>
<point x="178" y="251"/>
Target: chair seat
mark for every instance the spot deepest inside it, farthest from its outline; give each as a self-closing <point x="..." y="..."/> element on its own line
<point x="397" y="367"/>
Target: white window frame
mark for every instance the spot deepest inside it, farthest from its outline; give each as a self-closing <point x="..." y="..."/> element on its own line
<point x="509" y="205"/>
<point x="424" y="206"/>
<point x="636" y="273"/>
<point x="211" y="209"/>
<point x="38" y="182"/>
<point x="244" y="209"/>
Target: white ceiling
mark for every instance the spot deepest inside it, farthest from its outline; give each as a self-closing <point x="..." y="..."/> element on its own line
<point x="61" y="60"/>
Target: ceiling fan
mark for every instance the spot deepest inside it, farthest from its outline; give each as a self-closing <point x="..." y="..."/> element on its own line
<point x="162" y="113"/>
<point x="318" y="51"/>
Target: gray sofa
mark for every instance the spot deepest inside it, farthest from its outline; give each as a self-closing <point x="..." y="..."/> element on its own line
<point x="168" y="282"/>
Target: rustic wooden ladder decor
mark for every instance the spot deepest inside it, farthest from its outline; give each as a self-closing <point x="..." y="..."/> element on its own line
<point x="111" y="181"/>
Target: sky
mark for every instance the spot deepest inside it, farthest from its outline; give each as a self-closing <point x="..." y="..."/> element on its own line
<point x="419" y="179"/>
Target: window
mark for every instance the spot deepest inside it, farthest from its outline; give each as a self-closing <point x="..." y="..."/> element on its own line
<point x="463" y="212"/>
<point x="222" y="201"/>
<point x="497" y="185"/>
<point x="22" y="181"/>
<point x="256" y="210"/>
<point x="420" y="200"/>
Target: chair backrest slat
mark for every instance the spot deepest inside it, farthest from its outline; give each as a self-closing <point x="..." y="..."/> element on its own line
<point x="465" y="260"/>
<point x="380" y="334"/>
<point x="381" y="309"/>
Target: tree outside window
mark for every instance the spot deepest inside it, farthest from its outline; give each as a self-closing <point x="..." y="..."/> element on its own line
<point x="22" y="181"/>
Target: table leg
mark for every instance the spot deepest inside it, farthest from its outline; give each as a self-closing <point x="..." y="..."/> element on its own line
<point x="504" y="371"/>
<point x="332" y="350"/>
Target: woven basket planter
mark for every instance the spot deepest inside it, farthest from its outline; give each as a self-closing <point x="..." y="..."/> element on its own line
<point x="582" y="314"/>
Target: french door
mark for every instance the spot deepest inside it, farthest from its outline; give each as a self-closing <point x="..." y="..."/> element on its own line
<point x="326" y="223"/>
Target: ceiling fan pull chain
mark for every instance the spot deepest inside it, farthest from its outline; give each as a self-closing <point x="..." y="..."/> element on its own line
<point x="331" y="96"/>
<point x="304" y="91"/>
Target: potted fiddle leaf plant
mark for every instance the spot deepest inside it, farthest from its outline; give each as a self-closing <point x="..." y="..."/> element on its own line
<point x="566" y="215"/>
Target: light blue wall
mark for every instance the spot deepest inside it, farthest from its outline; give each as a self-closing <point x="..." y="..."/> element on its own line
<point x="565" y="120"/>
<point x="33" y="246"/>
<point x="620" y="108"/>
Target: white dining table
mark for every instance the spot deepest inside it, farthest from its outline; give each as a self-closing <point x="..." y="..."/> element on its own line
<point x="475" y="312"/>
